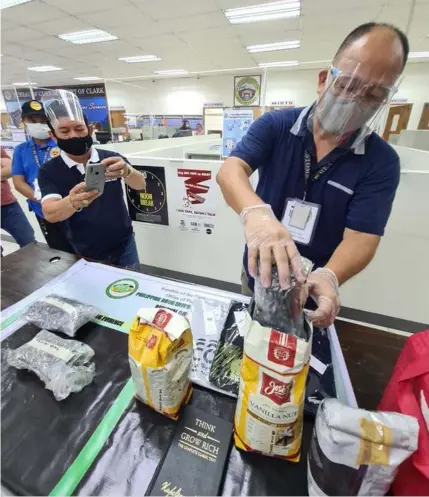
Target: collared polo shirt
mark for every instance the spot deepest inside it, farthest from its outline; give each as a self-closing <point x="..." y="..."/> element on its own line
<point x="102" y="229"/>
<point x="357" y="191"/>
<point x="24" y="164"/>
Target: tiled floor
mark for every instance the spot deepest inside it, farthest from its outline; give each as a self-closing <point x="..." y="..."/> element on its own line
<point x="9" y="247"/>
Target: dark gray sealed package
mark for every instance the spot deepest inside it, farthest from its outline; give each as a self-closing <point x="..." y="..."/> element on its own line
<point x="57" y="313"/>
<point x="63" y="365"/>
<point x="281" y="309"/>
<point x="357" y="452"/>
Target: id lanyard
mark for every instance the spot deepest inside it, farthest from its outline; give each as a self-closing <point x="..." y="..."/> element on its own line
<point x="316" y="175"/>
<point x="36" y="157"/>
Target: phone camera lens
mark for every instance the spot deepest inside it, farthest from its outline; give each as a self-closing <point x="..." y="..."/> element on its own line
<point x="97" y="173"/>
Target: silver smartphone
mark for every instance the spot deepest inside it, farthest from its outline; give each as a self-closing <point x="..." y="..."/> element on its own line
<point x="95" y="177"/>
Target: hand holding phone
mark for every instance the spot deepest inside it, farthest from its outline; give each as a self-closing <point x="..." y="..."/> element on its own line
<point x="95" y="177"/>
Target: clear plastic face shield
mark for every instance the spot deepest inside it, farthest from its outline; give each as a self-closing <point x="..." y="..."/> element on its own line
<point x="354" y="99"/>
<point x="62" y="107"/>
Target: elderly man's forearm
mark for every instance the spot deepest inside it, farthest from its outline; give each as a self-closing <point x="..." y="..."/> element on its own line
<point x="56" y="210"/>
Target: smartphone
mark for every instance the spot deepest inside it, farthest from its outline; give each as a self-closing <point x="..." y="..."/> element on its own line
<point x="95" y="177"/>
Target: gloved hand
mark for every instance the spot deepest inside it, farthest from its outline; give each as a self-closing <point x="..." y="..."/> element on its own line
<point x="322" y="284"/>
<point x="268" y="239"/>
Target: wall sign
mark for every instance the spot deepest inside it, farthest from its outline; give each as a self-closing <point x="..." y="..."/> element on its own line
<point x="236" y="122"/>
<point x="150" y="205"/>
<point x="194" y="209"/>
<point x="92" y="98"/>
<point x="247" y="91"/>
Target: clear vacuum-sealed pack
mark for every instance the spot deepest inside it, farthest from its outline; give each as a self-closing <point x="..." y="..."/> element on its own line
<point x="57" y="313"/>
<point x="63" y="365"/>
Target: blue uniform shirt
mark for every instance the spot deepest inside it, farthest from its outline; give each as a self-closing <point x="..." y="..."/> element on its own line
<point x="24" y="164"/>
<point x="357" y="191"/>
<point x="102" y="229"/>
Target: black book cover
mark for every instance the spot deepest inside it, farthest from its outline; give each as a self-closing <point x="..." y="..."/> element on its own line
<point x="195" y="460"/>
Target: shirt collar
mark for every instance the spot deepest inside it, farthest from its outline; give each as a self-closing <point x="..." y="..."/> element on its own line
<point x="300" y="129"/>
<point x="70" y="162"/>
<point x="49" y="144"/>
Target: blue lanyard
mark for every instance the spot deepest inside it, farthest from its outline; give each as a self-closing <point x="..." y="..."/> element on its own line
<point x="36" y="155"/>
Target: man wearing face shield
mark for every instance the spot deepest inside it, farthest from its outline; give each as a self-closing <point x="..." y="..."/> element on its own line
<point x="99" y="225"/>
<point x="27" y="159"/>
<point x="326" y="182"/>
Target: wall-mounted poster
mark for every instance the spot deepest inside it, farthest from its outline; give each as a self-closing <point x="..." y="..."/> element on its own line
<point x="236" y="122"/>
<point x="194" y="208"/>
<point x="149" y="205"/>
<point x="92" y="98"/>
<point x="247" y="91"/>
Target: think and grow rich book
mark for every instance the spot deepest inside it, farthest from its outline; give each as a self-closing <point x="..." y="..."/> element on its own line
<point x="194" y="461"/>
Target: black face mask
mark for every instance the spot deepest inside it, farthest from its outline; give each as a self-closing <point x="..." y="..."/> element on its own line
<point x="75" y="146"/>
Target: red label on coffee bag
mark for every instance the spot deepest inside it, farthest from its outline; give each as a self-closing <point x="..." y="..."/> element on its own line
<point x="161" y="319"/>
<point x="282" y="348"/>
<point x="276" y="390"/>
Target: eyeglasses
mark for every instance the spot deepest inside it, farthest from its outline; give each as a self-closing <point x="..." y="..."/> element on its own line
<point x="371" y="94"/>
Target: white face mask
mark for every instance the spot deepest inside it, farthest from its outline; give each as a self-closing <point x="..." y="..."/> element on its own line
<point x="38" y="130"/>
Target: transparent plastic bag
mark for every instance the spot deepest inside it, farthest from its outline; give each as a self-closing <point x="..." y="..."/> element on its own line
<point x="63" y="365"/>
<point x="57" y="313"/>
<point x="281" y="309"/>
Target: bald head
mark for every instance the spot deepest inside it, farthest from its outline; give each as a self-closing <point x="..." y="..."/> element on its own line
<point x="381" y="49"/>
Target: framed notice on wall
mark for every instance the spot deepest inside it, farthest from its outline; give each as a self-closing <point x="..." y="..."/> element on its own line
<point x="149" y="205"/>
<point x="247" y="91"/>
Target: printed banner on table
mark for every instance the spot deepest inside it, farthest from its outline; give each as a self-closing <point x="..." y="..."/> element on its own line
<point x="119" y="294"/>
<point x="236" y="122"/>
<point x="92" y="98"/>
<point x="247" y="91"/>
<point x="194" y="209"/>
<point x="149" y="205"/>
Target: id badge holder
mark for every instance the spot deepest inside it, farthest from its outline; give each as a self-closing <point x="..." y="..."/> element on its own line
<point x="300" y="219"/>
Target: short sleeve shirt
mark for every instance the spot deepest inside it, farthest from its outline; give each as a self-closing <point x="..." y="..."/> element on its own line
<point x="24" y="164"/>
<point x="7" y="196"/>
<point x="102" y="229"/>
<point x="356" y="192"/>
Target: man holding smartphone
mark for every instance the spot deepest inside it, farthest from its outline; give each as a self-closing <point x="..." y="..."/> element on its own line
<point x="99" y="223"/>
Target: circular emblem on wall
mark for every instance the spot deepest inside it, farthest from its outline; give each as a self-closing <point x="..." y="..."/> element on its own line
<point x="122" y="288"/>
<point x="247" y="90"/>
<point x="7" y="95"/>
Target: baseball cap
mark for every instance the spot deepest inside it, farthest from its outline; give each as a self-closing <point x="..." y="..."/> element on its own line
<point x="32" y="107"/>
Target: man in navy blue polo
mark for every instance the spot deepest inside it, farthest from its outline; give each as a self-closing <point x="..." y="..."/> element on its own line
<point x="99" y="226"/>
<point x="326" y="182"/>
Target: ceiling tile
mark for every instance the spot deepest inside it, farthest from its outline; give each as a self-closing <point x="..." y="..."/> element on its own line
<point x="85" y="6"/>
<point x="168" y="9"/>
<point x="31" y="13"/>
<point x="20" y="34"/>
<point x="67" y="24"/>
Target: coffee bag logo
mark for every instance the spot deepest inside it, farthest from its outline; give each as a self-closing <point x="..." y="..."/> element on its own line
<point x="282" y="348"/>
<point x="276" y="390"/>
<point x="161" y="319"/>
<point x="152" y="342"/>
<point x="122" y="288"/>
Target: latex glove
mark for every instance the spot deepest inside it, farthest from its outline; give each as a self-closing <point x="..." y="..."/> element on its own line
<point x="323" y="285"/>
<point x="269" y="241"/>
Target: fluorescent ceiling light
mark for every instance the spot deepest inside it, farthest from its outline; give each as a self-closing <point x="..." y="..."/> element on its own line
<point x="264" y="12"/>
<point x="25" y="83"/>
<point x="418" y="55"/>
<point x="285" y="63"/>
<point x="5" y="4"/>
<point x="90" y="36"/>
<point x="139" y="58"/>
<point x="269" y="47"/>
<point x="171" y="72"/>
<point x="44" y="68"/>
<point x="88" y="78"/>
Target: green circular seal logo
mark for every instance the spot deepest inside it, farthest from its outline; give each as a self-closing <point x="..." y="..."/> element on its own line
<point x="247" y="90"/>
<point x="120" y="289"/>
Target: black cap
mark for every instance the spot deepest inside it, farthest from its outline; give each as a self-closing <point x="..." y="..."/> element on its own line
<point x="33" y="108"/>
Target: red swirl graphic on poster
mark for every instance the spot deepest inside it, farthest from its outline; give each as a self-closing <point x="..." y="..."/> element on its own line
<point x="197" y="208"/>
<point x="193" y="186"/>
